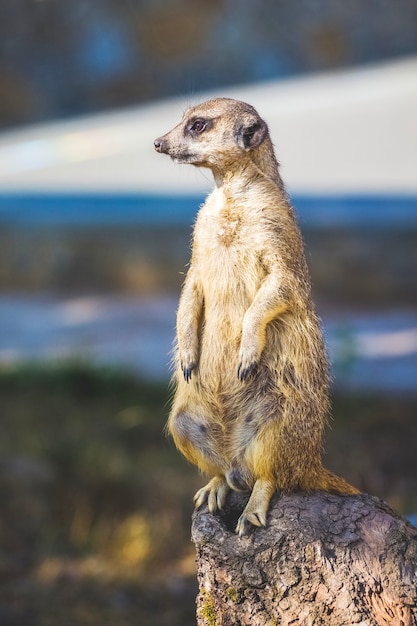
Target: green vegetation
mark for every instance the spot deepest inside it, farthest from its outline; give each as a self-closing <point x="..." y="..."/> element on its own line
<point x="96" y="502"/>
<point x="207" y="609"/>
<point x="233" y="594"/>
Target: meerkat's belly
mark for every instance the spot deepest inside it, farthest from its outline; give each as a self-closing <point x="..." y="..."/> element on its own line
<point x="230" y="282"/>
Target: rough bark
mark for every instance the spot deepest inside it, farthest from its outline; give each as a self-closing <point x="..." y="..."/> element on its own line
<point x="322" y="559"/>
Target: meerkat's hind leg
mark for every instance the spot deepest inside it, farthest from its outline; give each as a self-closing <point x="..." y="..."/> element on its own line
<point x="214" y="493"/>
<point x="256" y="509"/>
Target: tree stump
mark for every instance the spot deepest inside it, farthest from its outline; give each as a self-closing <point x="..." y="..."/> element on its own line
<point x="322" y="559"/>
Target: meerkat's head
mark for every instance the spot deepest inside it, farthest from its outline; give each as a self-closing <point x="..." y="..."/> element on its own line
<point x="215" y="134"/>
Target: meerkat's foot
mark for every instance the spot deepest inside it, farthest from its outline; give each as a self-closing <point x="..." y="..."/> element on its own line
<point x="256" y="509"/>
<point x="214" y="493"/>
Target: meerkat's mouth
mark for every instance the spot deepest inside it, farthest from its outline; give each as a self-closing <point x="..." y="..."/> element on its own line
<point x="185" y="158"/>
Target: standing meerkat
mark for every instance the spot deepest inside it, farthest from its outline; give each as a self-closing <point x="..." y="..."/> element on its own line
<point x="251" y="371"/>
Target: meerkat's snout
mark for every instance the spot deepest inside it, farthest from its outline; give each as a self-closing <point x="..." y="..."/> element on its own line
<point x="160" y="145"/>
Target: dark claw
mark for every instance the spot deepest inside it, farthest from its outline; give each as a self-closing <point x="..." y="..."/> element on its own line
<point x="187" y="372"/>
<point x="243" y="372"/>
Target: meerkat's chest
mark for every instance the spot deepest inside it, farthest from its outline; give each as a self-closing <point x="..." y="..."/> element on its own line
<point x="227" y="251"/>
<point x="222" y="227"/>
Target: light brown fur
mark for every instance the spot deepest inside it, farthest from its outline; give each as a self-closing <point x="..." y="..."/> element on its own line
<point x="251" y="371"/>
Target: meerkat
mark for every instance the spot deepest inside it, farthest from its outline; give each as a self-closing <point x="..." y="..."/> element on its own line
<point x="250" y="366"/>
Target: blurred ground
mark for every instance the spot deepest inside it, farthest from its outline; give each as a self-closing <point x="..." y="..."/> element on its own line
<point x="96" y="502"/>
<point x="91" y="494"/>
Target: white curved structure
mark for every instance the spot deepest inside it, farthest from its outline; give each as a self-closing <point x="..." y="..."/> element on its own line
<point x="352" y="131"/>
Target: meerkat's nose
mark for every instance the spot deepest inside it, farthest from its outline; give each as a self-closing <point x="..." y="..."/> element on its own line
<point x="160" y="144"/>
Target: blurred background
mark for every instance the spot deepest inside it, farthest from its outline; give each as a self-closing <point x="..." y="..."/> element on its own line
<point x="94" y="243"/>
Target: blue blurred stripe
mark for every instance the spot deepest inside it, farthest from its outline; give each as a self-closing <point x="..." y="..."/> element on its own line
<point x="89" y="209"/>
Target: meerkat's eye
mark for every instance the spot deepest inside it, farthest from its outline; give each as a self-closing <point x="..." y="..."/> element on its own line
<point x="198" y="126"/>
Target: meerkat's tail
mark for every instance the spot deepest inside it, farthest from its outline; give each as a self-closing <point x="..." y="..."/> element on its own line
<point x="327" y="481"/>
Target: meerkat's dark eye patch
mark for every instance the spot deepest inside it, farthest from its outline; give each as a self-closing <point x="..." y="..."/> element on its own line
<point x="198" y="126"/>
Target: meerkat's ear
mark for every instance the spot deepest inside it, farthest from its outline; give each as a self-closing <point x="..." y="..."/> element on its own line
<point x="250" y="136"/>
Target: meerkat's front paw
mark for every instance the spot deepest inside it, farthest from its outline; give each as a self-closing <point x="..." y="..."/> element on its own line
<point x="244" y="370"/>
<point x="187" y="371"/>
<point x="214" y="493"/>
<point x="248" y="361"/>
<point x="188" y="362"/>
<point x="249" y="356"/>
